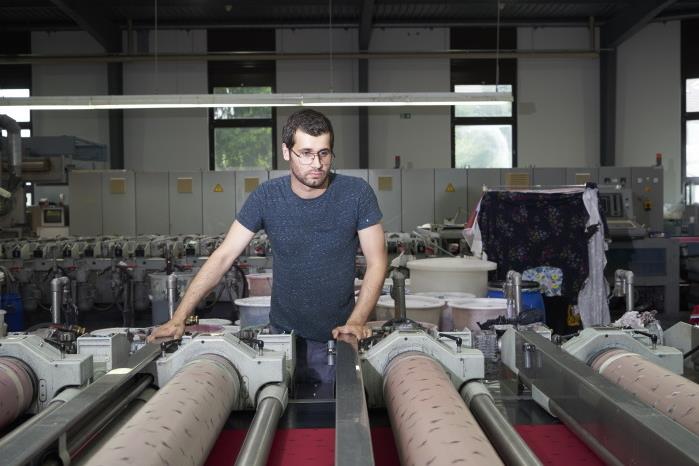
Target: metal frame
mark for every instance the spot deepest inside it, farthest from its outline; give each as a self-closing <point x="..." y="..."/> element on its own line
<point x="617" y="426"/>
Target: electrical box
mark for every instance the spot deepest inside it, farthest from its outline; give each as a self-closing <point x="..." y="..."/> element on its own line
<point x="119" y="202"/>
<point x="356" y="172"/>
<point x="218" y="188"/>
<point x="185" y="203"/>
<point x="477" y="179"/>
<point x="417" y="198"/>
<point x="647" y="188"/>
<point x="246" y="181"/>
<point x="615" y="175"/>
<point x="516" y="177"/>
<point x="548" y="176"/>
<point x="386" y="183"/>
<point x="451" y="195"/>
<point x="575" y="176"/>
<point x="86" y="202"/>
<point x="152" y="207"/>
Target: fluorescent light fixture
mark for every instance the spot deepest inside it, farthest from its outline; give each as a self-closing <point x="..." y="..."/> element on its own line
<point x="368" y="99"/>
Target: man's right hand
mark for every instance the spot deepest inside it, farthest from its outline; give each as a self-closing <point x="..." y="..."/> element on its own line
<point x="173" y="329"/>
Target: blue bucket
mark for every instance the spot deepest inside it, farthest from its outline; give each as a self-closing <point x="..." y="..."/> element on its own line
<point x="12" y="304"/>
<point x="531" y="296"/>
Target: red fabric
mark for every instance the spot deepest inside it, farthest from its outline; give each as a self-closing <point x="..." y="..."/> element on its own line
<point x="301" y="447"/>
<point x="555" y="444"/>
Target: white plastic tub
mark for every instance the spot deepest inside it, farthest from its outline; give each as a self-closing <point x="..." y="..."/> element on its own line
<point x="468" y="275"/>
<point x="468" y="312"/>
<point x="419" y="308"/>
<point x="446" y="322"/>
<point x="259" y="284"/>
<point x="254" y="310"/>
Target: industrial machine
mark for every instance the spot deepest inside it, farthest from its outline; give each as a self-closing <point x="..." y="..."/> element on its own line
<point x="618" y="390"/>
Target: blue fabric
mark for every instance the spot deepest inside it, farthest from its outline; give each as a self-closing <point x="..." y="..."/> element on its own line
<point x="314" y="244"/>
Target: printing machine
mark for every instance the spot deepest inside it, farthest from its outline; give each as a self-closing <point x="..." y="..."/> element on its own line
<point x="108" y="397"/>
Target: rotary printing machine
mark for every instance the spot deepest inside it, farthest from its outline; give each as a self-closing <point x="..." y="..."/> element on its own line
<point x="120" y="400"/>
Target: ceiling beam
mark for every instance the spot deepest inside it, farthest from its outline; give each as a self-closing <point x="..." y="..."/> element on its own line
<point x="89" y="18"/>
<point x="629" y="20"/>
<point x="365" y="24"/>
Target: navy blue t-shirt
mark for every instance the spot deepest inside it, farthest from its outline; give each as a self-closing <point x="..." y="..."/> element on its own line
<point x="314" y="244"/>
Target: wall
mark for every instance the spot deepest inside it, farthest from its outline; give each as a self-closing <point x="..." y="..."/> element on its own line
<point x="424" y="139"/>
<point x="69" y="79"/>
<point x="320" y="76"/>
<point x="558" y="101"/>
<point x="649" y="102"/>
<point x="167" y="139"/>
<point x="558" y="106"/>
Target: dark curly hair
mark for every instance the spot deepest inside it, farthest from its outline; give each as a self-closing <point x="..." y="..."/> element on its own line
<point x="310" y="122"/>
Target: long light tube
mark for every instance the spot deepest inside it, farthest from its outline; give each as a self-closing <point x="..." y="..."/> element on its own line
<point x="369" y="99"/>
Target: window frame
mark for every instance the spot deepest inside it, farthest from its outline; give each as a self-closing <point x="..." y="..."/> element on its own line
<point x="483" y="71"/>
<point x="239" y="73"/>
<point x="689" y="70"/>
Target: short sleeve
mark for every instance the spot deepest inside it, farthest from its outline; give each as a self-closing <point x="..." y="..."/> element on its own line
<point x="250" y="215"/>
<point x="368" y="212"/>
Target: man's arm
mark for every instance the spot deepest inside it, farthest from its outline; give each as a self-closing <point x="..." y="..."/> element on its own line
<point x="373" y="246"/>
<point x="206" y="279"/>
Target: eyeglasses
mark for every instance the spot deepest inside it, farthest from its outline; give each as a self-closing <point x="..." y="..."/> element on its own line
<point x="306" y="157"/>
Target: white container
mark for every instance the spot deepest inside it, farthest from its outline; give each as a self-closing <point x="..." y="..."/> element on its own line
<point x="221" y="322"/>
<point x="446" y="321"/>
<point x="466" y="274"/>
<point x="418" y="308"/>
<point x="468" y="312"/>
<point x="254" y="310"/>
<point x="259" y="284"/>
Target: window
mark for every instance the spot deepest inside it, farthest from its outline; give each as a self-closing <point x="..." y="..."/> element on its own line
<point x="242" y="137"/>
<point x="16" y="80"/>
<point x="690" y="109"/>
<point x="483" y="134"/>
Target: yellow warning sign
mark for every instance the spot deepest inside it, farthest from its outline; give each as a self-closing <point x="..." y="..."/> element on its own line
<point x="450" y="188"/>
<point x="218" y="188"/>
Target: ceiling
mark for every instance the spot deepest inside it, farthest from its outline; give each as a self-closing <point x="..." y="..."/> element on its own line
<point x="105" y="18"/>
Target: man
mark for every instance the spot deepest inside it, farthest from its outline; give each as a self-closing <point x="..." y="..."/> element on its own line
<point x="314" y="219"/>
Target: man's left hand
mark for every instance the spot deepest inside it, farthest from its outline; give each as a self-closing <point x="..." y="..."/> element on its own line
<point x="360" y="331"/>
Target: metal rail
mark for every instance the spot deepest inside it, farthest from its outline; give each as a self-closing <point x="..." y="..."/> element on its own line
<point x="352" y="433"/>
<point x="54" y="427"/>
<point x="618" y="427"/>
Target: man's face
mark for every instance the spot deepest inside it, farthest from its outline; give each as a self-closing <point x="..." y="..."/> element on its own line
<point x="315" y="174"/>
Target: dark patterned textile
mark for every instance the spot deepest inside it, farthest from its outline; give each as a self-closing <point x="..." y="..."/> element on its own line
<point x="523" y="230"/>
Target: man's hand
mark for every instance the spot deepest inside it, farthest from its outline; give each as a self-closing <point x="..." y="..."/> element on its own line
<point x="360" y="331"/>
<point x="171" y="329"/>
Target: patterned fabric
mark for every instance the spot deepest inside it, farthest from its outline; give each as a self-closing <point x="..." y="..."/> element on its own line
<point x="550" y="279"/>
<point x="524" y="230"/>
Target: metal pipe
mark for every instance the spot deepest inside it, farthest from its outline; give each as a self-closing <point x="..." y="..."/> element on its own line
<point x="58" y="286"/>
<point x="513" y="293"/>
<point x="57" y="402"/>
<point x="398" y="294"/>
<point x="180" y="424"/>
<point x="258" y="441"/>
<point x="110" y="430"/>
<point x="273" y="56"/>
<point x="628" y="290"/>
<point x="17" y="390"/>
<point x="79" y="440"/>
<point x="14" y="141"/>
<point x="171" y="293"/>
<point x="507" y="442"/>
<point x="670" y="393"/>
<point x="430" y="421"/>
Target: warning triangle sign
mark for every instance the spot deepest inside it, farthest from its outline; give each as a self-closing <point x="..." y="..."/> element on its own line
<point x="450" y="188"/>
<point x="218" y="188"/>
